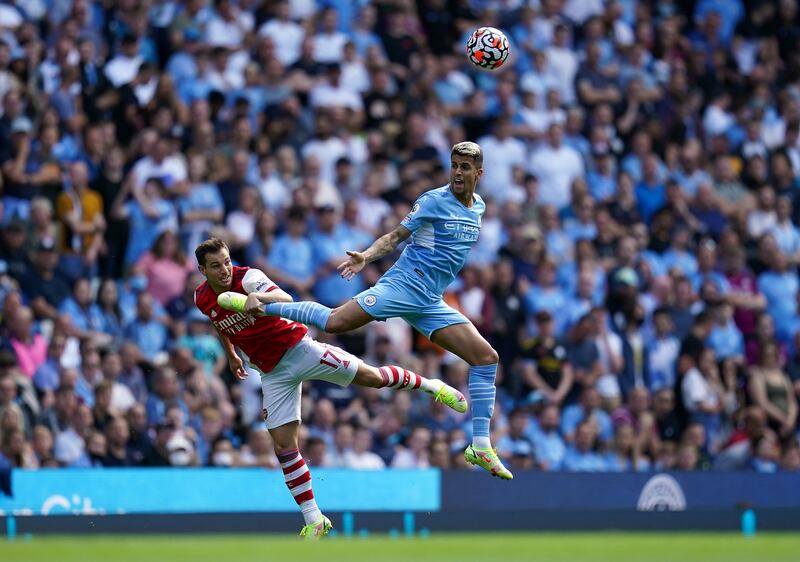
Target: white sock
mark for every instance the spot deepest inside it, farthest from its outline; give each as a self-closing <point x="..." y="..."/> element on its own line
<point x="431" y="386"/>
<point x="481" y="442"/>
<point x="311" y="512"/>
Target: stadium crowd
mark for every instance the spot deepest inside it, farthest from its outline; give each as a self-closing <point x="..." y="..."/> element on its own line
<point x="636" y="269"/>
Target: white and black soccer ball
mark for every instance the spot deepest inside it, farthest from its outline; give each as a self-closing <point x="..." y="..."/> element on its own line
<point x="487" y="48"/>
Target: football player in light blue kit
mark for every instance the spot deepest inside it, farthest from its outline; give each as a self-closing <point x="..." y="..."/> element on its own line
<point x="443" y="224"/>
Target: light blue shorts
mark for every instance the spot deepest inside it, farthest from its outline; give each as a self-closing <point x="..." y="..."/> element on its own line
<point x="395" y="299"/>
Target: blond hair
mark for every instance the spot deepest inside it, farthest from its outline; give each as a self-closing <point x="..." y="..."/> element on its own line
<point x="469" y="149"/>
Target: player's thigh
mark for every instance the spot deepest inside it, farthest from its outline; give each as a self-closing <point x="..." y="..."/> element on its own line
<point x="323" y="362"/>
<point x="465" y="340"/>
<point x="346" y="317"/>
<point x="388" y="300"/>
<point x="281" y="393"/>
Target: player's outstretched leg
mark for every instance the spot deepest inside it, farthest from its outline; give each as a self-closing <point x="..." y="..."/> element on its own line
<point x="402" y="379"/>
<point x="347" y="317"/>
<point x="465" y="341"/>
<point x="298" y="480"/>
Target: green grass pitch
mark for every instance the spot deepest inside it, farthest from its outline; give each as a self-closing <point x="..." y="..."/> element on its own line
<point x="555" y="547"/>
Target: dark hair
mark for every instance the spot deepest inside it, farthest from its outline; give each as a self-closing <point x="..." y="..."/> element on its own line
<point x="210" y="246"/>
<point x="158" y="251"/>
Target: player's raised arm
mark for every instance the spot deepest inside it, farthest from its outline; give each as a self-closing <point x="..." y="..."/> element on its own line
<point x="261" y="290"/>
<point x="382" y="246"/>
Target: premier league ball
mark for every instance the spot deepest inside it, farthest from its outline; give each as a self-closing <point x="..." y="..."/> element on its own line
<point x="487" y="48"/>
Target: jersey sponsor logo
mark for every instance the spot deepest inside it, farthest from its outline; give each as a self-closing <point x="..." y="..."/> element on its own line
<point x="662" y="493"/>
<point x="235" y="323"/>
<point x="462" y="231"/>
<point x="370" y="300"/>
<point x="261" y="286"/>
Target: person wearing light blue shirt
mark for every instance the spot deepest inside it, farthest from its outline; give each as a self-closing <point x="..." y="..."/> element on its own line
<point x="589" y="407"/>
<point x="786" y="234"/>
<point x="678" y="256"/>
<point x="84" y="315"/>
<point x="730" y="13"/>
<point x="201" y="207"/>
<point x="725" y="338"/>
<point x="548" y="445"/>
<point x="443" y="226"/>
<point x="330" y="241"/>
<point x="291" y="258"/>
<point x="582" y="456"/>
<point x="147" y="331"/>
<point x="547" y="295"/>
<point x="149" y="214"/>
<point x="780" y="286"/>
<point x="662" y="351"/>
<point x="706" y="262"/>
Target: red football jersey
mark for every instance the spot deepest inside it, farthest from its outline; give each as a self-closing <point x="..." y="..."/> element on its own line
<point x="264" y="339"/>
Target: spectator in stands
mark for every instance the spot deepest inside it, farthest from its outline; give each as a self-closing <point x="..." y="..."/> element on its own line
<point x="165" y="267"/>
<point x="546" y="371"/>
<point x="582" y="455"/>
<point x="771" y="389"/>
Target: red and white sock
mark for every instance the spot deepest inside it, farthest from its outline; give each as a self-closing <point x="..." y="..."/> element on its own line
<point x="403" y="379"/>
<point x="298" y="480"/>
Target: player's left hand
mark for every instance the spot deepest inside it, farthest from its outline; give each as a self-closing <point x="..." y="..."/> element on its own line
<point x="253" y="305"/>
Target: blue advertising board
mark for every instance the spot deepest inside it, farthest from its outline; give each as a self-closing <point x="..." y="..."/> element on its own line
<point x="210" y="490"/>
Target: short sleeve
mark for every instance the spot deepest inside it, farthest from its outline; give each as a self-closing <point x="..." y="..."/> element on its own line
<point x="422" y="211"/>
<point x="256" y="281"/>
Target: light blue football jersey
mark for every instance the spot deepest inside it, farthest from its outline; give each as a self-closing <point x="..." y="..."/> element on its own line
<point x="443" y="233"/>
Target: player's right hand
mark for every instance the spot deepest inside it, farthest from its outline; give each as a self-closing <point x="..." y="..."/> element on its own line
<point x="236" y="366"/>
<point x="253" y="305"/>
<point x="351" y="267"/>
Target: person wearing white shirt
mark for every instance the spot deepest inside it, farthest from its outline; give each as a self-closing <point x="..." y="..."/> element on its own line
<point x="286" y="35"/>
<point x="329" y="42"/>
<point x="360" y="457"/>
<point x="502" y="153"/>
<point x="124" y="67"/>
<point x="325" y="148"/>
<point x="334" y="92"/>
<point x="763" y="218"/>
<point x="169" y="168"/>
<point x="581" y="10"/>
<point x="698" y="395"/>
<point x="228" y="27"/>
<point x="354" y="71"/>
<point x="556" y="166"/>
<point x="562" y="61"/>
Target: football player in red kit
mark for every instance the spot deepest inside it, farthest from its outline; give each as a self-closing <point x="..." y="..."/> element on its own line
<point x="285" y="356"/>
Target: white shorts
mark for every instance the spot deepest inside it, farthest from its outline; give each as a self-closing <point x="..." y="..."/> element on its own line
<point x="306" y="360"/>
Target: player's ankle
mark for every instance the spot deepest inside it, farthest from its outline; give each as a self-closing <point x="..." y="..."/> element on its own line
<point x="481" y="442"/>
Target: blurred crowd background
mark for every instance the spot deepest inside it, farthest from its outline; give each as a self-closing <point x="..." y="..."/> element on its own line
<point x="636" y="269"/>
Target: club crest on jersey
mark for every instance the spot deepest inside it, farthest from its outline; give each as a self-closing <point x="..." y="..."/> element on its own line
<point x="213" y="314"/>
<point x="370" y="300"/>
<point x="414" y="209"/>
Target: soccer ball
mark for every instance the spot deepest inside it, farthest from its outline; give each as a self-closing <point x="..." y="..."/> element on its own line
<point x="487" y="48"/>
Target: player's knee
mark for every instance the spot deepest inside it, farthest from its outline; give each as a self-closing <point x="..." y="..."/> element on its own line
<point x="486" y="356"/>
<point x="337" y="323"/>
<point x="368" y="376"/>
